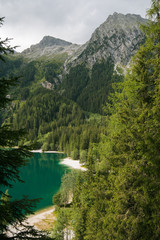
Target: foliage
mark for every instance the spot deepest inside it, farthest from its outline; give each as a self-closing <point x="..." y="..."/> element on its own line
<point x="65" y="194"/>
<point x="63" y="200"/>
<point x="62" y="227"/>
<point x="119" y="198"/>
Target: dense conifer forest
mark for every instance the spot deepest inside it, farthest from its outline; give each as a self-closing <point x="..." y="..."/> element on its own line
<point x="118" y="197"/>
<point x="67" y="117"/>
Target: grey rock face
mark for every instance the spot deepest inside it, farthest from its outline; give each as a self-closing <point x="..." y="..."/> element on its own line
<point x="119" y="37"/>
<point x="49" y="47"/>
<point x="51" y="41"/>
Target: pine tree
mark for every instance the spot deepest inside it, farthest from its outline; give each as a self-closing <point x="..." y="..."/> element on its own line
<point x="132" y="145"/>
<point x="128" y="173"/>
<point x="12" y="212"/>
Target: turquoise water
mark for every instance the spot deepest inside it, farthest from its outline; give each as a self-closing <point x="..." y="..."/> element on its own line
<point x="42" y="178"/>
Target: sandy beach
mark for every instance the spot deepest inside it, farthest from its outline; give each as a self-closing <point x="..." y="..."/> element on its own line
<point x="73" y="163"/>
<point x="35" y="220"/>
<point x="40" y="151"/>
<point x="38" y="216"/>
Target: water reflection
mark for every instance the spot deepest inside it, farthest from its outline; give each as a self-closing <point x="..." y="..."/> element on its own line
<point x="42" y="177"/>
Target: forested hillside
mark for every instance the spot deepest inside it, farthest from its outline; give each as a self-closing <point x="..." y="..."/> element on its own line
<point x="56" y="123"/>
<point x="57" y="116"/>
<point x="118" y="197"/>
<point x="51" y="121"/>
<point x="90" y="88"/>
<point x="59" y="106"/>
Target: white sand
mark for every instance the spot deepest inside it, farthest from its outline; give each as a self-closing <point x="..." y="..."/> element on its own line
<point x="31" y="220"/>
<point x="66" y="161"/>
<point x="40" y="151"/>
<point x="37" y="151"/>
<point x="73" y="163"/>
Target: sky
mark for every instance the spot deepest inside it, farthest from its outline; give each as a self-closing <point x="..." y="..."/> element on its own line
<point x="28" y="21"/>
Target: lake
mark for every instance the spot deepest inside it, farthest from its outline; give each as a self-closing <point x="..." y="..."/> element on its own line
<point x="42" y="178"/>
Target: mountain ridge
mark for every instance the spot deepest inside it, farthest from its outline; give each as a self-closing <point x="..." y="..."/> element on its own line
<point x="49" y="46"/>
<point x="119" y="37"/>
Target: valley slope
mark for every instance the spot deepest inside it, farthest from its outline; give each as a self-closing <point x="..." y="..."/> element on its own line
<point x="64" y="87"/>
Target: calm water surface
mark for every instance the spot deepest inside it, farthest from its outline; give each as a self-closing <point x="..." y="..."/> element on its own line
<point x="42" y="177"/>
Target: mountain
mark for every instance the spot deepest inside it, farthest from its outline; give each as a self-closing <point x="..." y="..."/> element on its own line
<point x="50" y="47"/>
<point x="90" y="72"/>
<point x="119" y="37"/>
<point x="65" y="86"/>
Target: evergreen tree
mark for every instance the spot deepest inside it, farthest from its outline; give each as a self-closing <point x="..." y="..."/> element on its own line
<point x="12" y="212"/>
<point x="128" y="171"/>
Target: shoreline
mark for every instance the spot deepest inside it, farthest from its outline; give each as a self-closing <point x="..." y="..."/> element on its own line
<point x="75" y="164"/>
<point x="39" y="215"/>
<point x="40" y="151"/>
<point x="43" y="214"/>
<point x="34" y="220"/>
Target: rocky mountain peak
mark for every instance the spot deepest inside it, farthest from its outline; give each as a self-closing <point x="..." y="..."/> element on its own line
<point x="121" y="20"/>
<point x="51" y="41"/>
<point x="118" y="22"/>
<point x="119" y="37"/>
<point x="50" y="47"/>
